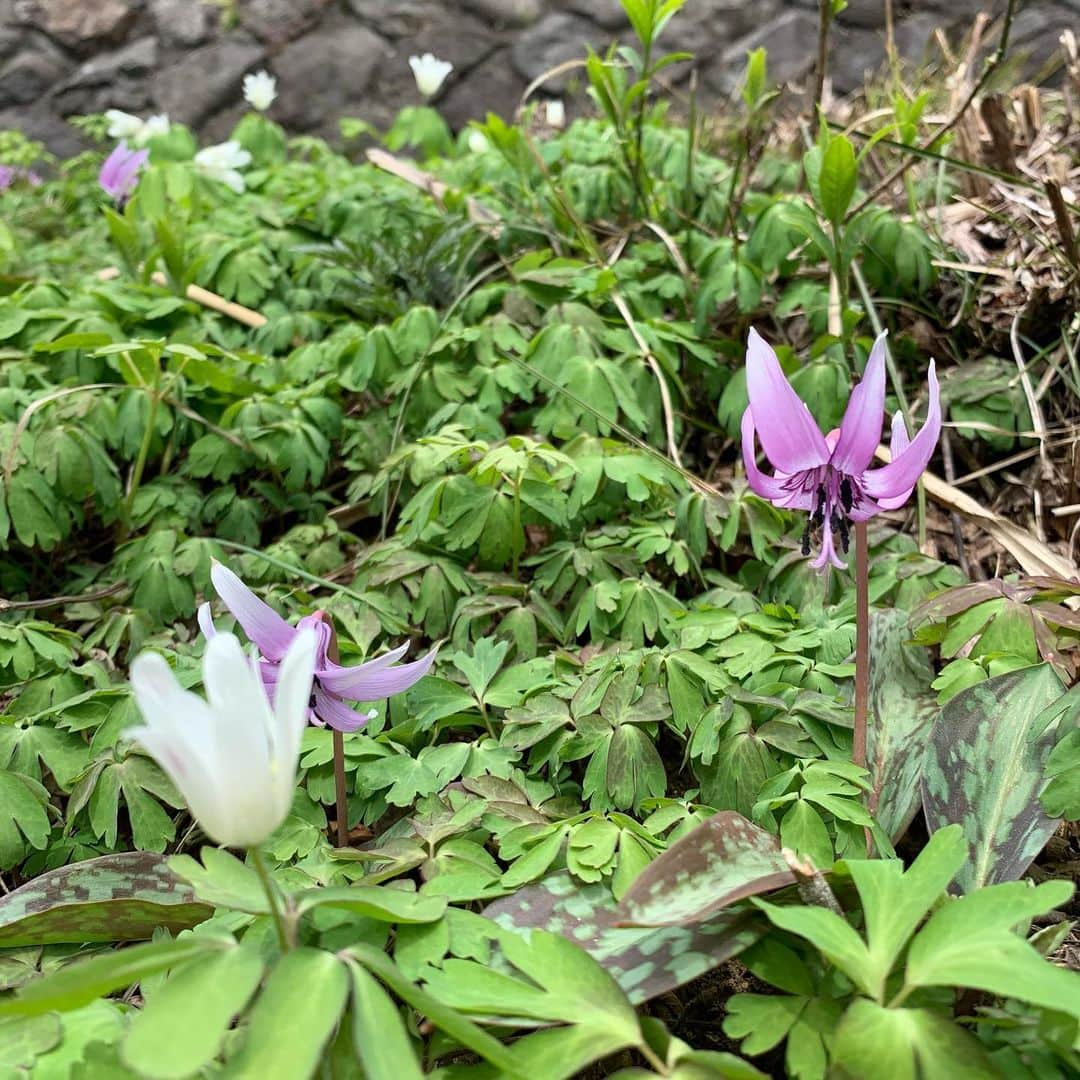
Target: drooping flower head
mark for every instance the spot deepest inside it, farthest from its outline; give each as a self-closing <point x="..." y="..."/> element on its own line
<point x="120" y="173"/>
<point x="429" y="72"/>
<point x="829" y="476"/>
<point x="223" y="163"/>
<point x="260" y="90"/>
<point x="272" y="635"/>
<point x="233" y="757"/>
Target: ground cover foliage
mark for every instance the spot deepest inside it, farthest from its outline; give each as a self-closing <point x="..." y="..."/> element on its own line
<point x="506" y="421"/>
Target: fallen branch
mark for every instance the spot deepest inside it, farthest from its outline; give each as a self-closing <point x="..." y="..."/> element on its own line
<point x="199" y="295"/>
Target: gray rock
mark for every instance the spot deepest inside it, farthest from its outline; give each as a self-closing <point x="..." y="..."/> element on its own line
<point x="494" y="86"/>
<point x="39" y="123"/>
<point x="915" y="36"/>
<point x="790" y="39"/>
<point x="398" y="18"/>
<point x="869" y="14"/>
<point x="181" y="22"/>
<point x="552" y="41"/>
<point x="132" y="61"/>
<point x="319" y="75"/>
<point x="207" y="78"/>
<point x="709" y="25"/>
<point x="279" y="21"/>
<point x="606" y="13"/>
<point x="10" y="37"/>
<point x="81" y="25"/>
<point x="506" y="12"/>
<point x="32" y="72"/>
<point x="855" y="54"/>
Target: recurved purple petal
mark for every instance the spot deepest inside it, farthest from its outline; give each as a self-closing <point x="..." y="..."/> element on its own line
<point x="860" y="430"/>
<point x="788" y="432"/>
<point x="374" y="680"/>
<point x="892" y="484"/>
<point x="768" y="487"/>
<point x="262" y="624"/>
<point x="333" y="712"/>
<point x="206" y="621"/>
<point x="899" y="440"/>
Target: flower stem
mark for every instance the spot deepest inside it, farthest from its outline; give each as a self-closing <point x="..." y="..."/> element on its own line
<point x="271" y="896"/>
<point x="339" y="790"/>
<point x="862" y="643"/>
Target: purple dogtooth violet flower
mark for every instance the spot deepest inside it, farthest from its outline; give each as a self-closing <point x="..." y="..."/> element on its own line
<point x="829" y="476"/>
<point x="333" y="684"/>
<point x="120" y="173"/>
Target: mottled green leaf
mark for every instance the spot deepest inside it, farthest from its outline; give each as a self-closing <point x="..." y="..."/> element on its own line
<point x="645" y="961"/>
<point x="123" y="897"/>
<point x="985" y="772"/>
<point x="726" y="859"/>
<point x="902" y="712"/>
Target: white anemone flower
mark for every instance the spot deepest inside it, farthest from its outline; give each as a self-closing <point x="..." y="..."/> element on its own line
<point x="223" y="163"/>
<point x="156" y="125"/>
<point x="430" y="73"/>
<point x="555" y="113"/>
<point x="260" y="90"/>
<point x="234" y="756"/>
<point x="478" y="142"/>
<point x="123" y="125"/>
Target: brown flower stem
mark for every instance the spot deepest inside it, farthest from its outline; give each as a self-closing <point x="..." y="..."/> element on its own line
<point x="862" y="643"/>
<point x="340" y="793"/>
<point x="339" y="789"/>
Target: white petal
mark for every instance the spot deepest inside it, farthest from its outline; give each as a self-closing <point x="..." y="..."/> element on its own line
<point x="292" y="697"/>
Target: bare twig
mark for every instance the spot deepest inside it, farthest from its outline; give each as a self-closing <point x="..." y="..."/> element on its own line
<point x="61" y="601"/>
<point x="812" y="886"/>
<point x="961" y="110"/>
<point x="199" y="295"/>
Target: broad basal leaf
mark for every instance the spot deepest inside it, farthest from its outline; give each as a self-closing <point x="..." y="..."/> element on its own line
<point x="645" y="961"/>
<point x="902" y="712"/>
<point x="985" y="771"/>
<point x="123" y="897"/>
<point x="726" y="859"/>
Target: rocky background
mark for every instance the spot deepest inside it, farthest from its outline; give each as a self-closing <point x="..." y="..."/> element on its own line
<point x="60" y="58"/>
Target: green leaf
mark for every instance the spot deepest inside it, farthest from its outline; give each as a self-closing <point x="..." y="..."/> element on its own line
<point x="645" y="962"/>
<point x="917" y="1044"/>
<point x="382" y="1044"/>
<point x="375" y="902"/>
<point x="441" y="1016"/>
<point x="22" y="814"/>
<point x="83" y="982"/>
<point x="902" y="715"/>
<point x="970" y="941"/>
<point x="895" y="901"/>
<point x="294" y="1017"/>
<point x="222" y="880"/>
<point x="724" y="860"/>
<point x="181" y="1026"/>
<point x="985" y="771"/>
<point x="122" y="897"/>
<point x="831" y="935"/>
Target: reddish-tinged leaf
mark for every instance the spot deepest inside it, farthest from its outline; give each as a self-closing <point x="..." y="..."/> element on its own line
<point x="726" y="859"/>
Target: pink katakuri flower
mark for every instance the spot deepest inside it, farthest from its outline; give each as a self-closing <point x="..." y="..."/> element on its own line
<point x="829" y="476"/>
<point x="272" y="635"/>
<point x="120" y="173"/>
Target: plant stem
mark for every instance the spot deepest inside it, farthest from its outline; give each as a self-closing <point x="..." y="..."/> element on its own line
<point x="862" y="643"/>
<point x="825" y="9"/>
<point x="271" y="897"/>
<point x="516" y="549"/>
<point x="340" y="794"/>
<point x="140" y="461"/>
